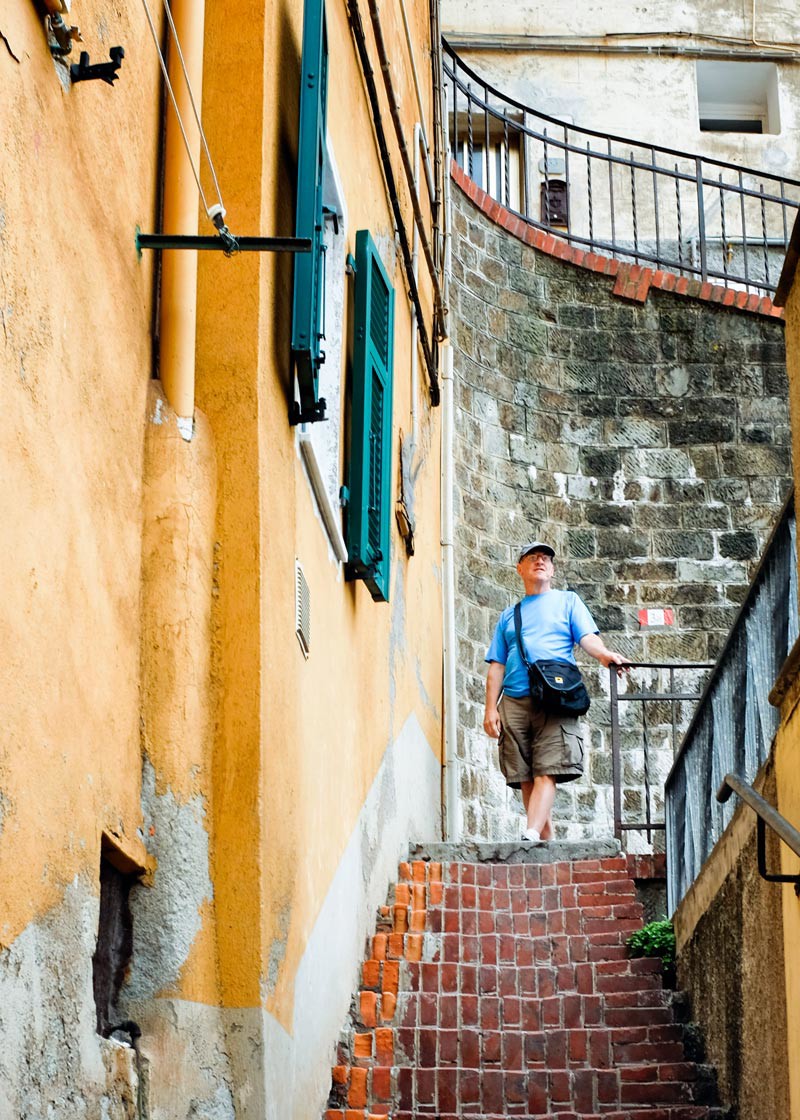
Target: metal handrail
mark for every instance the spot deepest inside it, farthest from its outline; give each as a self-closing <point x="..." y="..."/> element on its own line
<point x="612" y="199"/>
<point x="639" y="696"/>
<point x="767" y="815"/>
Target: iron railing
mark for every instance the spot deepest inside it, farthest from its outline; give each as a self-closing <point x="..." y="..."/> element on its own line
<point x="684" y="682"/>
<point x="640" y="202"/>
<point x="734" y="724"/>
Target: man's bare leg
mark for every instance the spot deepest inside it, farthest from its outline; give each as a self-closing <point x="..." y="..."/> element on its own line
<point x="538" y="797"/>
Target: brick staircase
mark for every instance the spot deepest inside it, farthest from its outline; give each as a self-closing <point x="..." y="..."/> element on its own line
<point x="498" y="989"/>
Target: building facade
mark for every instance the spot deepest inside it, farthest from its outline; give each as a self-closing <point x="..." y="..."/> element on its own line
<point x="222" y="684"/>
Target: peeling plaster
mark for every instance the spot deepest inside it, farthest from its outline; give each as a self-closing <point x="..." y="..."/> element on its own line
<point x="277" y="950"/>
<point x="166" y="916"/>
<point x="5" y="809"/>
<point x="53" y="1064"/>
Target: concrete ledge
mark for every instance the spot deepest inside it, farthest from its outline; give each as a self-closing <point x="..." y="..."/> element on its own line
<point x="518" y="851"/>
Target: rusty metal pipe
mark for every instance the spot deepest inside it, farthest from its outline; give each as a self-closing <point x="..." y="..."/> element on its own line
<point x="394" y="110"/>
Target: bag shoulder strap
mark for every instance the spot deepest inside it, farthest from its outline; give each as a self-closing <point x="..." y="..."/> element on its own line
<point x="518" y="630"/>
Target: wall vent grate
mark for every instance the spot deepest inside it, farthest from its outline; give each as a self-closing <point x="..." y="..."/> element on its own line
<point x="302" y="609"/>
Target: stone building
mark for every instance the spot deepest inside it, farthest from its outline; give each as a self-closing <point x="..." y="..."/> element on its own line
<point x="705" y="79"/>
<point x="649" y="440"/>
<point x="644" y="428"/>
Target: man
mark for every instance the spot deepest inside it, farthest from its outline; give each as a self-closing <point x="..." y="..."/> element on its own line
<point x="538" y="750"/>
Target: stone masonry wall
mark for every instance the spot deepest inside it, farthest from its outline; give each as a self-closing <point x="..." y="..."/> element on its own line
<point x="650" y="443"/>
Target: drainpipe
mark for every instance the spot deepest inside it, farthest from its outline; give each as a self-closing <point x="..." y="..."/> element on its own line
<point x="179" y="267"/>
<point x="394" y="112"/>
<point x="418" y="139"/>
<point x="450" y="785"/>
<point x="452" y="814"/>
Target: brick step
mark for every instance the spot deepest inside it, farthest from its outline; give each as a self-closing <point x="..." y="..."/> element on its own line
<point x="572" y="920"/>
<point x="496" y="991"/>
<point x="586" y="1090"/>
<point x="522" y="977"/>
<point x="506" y="1092"/>
<point x="515" y="1049"/>
<point x="681" y="1113"/>
<point x="517" y="899"/>
<point x="498" y="945"/>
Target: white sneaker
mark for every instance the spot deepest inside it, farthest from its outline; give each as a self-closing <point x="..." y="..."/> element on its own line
<point x="531" y="835"/>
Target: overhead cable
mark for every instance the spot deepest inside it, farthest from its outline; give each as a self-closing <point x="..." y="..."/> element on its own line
<point x="215" y="212"/>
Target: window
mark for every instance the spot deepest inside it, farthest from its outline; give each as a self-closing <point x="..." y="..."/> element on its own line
<point x="369" y="479"/>
<point x="738" y="97"/>
<point x="112" y="954"/>
<point x="501" y="174"/>
<point x="308" y="301"/>
<point x="320" y="443"/>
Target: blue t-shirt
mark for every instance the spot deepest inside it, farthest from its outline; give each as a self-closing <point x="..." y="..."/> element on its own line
<point x="552" y="625"/>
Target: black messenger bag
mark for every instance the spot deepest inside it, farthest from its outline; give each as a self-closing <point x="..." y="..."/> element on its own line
<point x="556" y="686"/>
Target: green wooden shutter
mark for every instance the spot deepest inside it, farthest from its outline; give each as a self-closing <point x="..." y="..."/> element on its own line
<point x="307" y="306"/>
<point x="369" y="483"/>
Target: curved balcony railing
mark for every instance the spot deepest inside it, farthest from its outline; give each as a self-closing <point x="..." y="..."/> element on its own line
<point x="734" y="723"/>
<point x="697" y="217"/>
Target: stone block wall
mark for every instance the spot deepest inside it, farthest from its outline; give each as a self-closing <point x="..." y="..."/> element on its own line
<point x="650" y="443"/>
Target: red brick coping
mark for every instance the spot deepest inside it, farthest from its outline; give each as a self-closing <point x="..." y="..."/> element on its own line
<point x="633" y="281"/>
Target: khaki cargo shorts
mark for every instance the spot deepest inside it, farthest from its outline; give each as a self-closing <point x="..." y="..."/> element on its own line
<point x="532" y="743"/>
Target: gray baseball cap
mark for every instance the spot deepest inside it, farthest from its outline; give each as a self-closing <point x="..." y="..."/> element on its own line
<point x="536" y="546"/>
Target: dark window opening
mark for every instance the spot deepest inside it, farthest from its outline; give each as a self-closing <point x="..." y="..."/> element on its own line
<point x="716" y="124"/>
<point x="554" y="203"/>
<point x="112" y="955"/>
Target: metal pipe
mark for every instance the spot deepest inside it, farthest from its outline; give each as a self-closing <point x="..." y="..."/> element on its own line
<point x="357" y="27"/>
<point x="424" y="135"/>
<point x="179" y="270"/>
<point x="394" y="111"/>
<point x="437" y="82"/>
<point x="482" y="41"/>
<point x="732" y="783"/>
<point x="414" y="331"/>
<point x="214" y="241"/>
<point x="451" y="815"/>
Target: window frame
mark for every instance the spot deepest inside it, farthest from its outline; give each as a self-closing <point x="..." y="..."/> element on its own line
<point x="368" y="526"/>
<point x="308" y="298"/>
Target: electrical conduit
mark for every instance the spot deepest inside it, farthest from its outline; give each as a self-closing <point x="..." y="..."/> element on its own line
<point x="452" y="814"/>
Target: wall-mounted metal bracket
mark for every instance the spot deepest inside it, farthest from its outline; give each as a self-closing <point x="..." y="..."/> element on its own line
<point x="101" y="71"/>
<point x="228" y="245"/>
<point x="762" y="860"/>
<point x="298" y="415"/>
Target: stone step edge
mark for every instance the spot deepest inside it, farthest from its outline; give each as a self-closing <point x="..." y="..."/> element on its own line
<point x="657" y="1112"/>
<point x="516" y="851"/>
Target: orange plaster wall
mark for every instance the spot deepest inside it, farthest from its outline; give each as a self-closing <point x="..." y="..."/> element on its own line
<point x="298" y="742"/>
<point x="77" y="174"/>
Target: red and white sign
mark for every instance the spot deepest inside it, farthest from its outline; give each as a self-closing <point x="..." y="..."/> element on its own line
<point x="656" y="616"/>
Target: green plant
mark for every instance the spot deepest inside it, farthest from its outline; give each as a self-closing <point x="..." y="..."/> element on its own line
<point x="656" y="939"/>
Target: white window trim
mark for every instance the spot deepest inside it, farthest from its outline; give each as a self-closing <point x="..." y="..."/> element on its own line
<point x="330" y="517"/>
